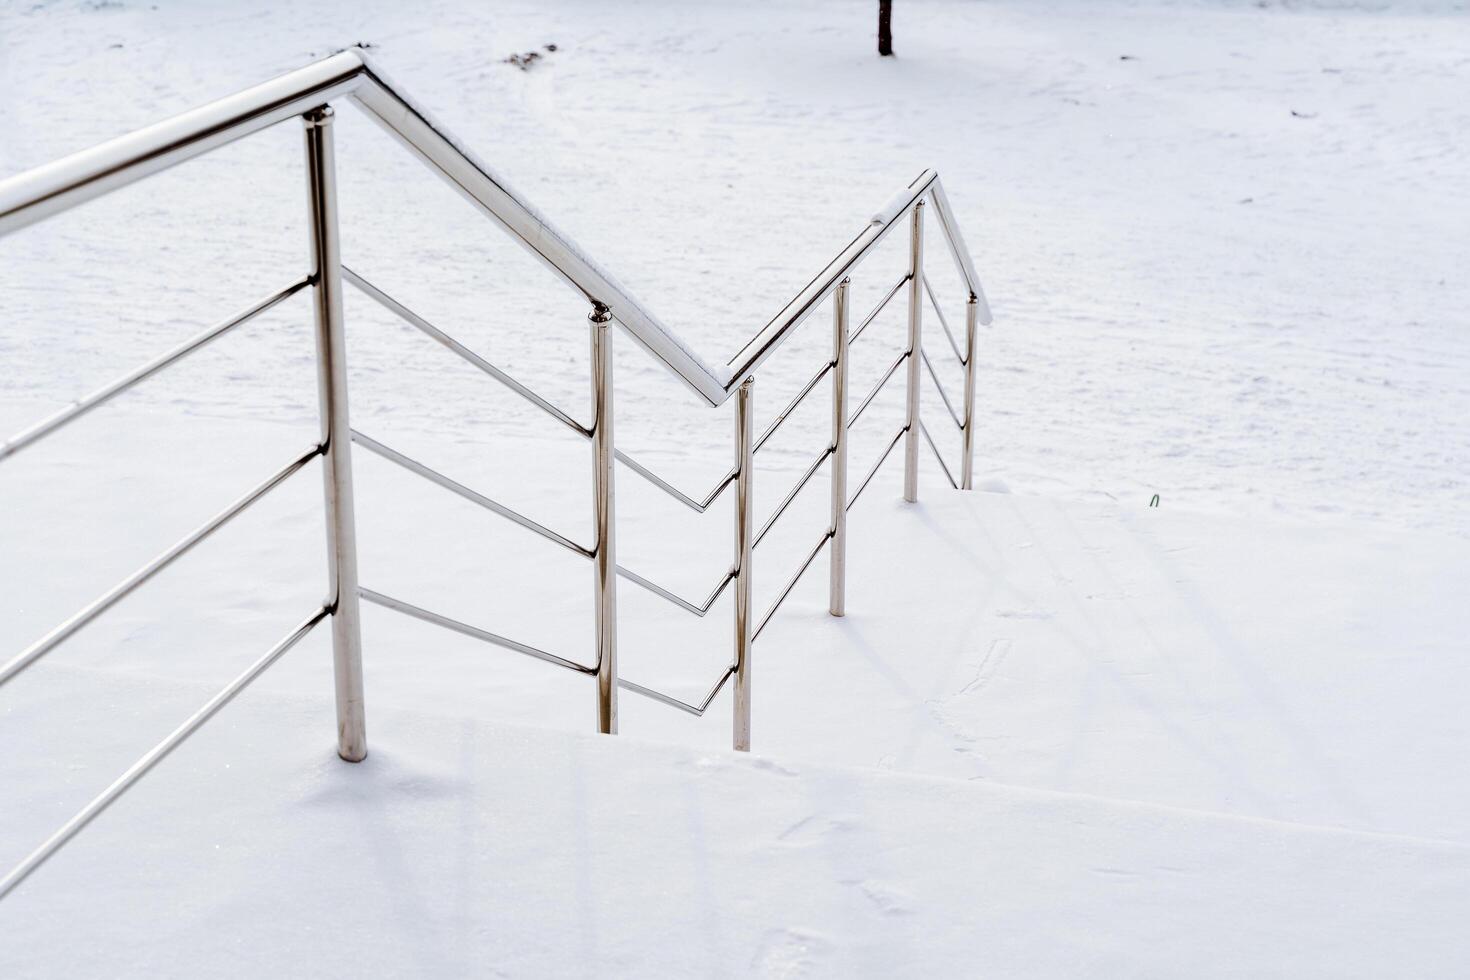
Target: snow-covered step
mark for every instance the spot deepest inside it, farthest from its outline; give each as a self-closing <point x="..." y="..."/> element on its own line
<point x="462" y="844"/>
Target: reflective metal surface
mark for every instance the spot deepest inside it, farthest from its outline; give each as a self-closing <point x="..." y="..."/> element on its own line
<point x="967" y="453"/>
<point x="837" y="577"/>
<point x="882" y="304"/>
<point x="938" y="455"/>
<point x="682" y="603"/>
<point x="475" y="632"/>
<point x="428" y="329"/>
<point x="331" y="362"/>
<point x="882" y="458"/>
<point x="805" y="478"/>
<point x="916" y="320"/>
<point x="72" y="180"/>
<point x="698" y="506"/>
<point x="474" y="497"/>
<point x="754" y="353"/>
<point x="32" y="196"/>
<point x="673" y="702"/>
<point x="873" y="392"/>
<point x="65" y="183"/>
<point x="791" y="583"/>
<point x="939" y="387"/>
<point x="943" y="323"/>
<point x="744" y="548"/>
<point x="604" y="558"/>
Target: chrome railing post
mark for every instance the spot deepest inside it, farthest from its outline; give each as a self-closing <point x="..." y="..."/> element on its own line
<point x="837" y="602"/>
<point x="744" y="523"/>
<point x="331" y="359"/>
<point x="967" y="463"/>
<point x="916" y="319"/>
<point x="604" y="556"/>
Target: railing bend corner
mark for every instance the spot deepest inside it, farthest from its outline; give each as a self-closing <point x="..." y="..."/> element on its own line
<point x="310" y="93"/>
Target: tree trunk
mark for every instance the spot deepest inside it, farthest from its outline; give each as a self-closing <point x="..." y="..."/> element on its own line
<point x="885" y="27"/>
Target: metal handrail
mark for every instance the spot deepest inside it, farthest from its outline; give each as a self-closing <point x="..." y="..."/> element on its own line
<point x="307" y="94"/>
<point x="116" y="163"/>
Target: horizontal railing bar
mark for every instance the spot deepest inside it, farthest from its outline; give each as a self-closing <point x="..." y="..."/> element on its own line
<point x="826" y="536"/>
<point x="944" y="395"/>
<point x="108" y="391"/>
<point x="414" y="320"/>
<point x="776" y="422"/>
<point x="876" y="467"/>
<point x="434" y="476"/>
<point x="698" y="507"/>
<point x="938" y="455"/>
<point x="852" y="338"/>
<point x="852" y="419"/>
<point x="110" y="598"/>
<point x="677" y="600"/>
<point x="805" y="478"/>
<point x="474" y="632"/>
<point x="157" y="754"/>
<point x="674" y="702"/>
<point x="934" y="305"/>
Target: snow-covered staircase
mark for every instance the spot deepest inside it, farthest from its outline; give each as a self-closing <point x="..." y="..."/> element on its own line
<point x="1048" y="737"/>
<point x="1061" y="771"/>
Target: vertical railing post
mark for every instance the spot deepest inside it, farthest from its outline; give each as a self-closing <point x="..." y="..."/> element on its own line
<point x="744" y="520"/>
<point x="604" y="558"/>
<point x="331" y="359"/>
<point x="967" y="462"/>
<point x="837" y="602"/>
<point x="916" y="319"/>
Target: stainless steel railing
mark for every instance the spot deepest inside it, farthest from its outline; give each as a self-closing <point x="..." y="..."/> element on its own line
<point x="309" y="94"/>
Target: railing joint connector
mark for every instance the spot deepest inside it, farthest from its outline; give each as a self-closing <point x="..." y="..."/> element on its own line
<point x="319" y="116"/>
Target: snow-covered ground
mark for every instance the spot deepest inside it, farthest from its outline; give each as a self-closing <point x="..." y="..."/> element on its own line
<point x="1226" y="248"/>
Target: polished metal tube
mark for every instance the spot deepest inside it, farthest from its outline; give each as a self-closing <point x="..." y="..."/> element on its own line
<point x="837" y="604"/>
<point x="955" y="417"/>
<point x="791" y="583"/>
<point x="882" y="305"/>
<point x="938" y="456"/>
<point x="943" y="322"/>
<point x="967" y="463"/>
<point x="876" y="389"/>
<point x="331" y="360"/>
<point x="449" y="343"/>
<point x="791" y="406"/>
<point x="744" y="550"/>
<point x="806" y="477"/>
<point x="698" y="506"/>
<point x="697" y="710"/>
<point x="680" y="601"/>
<point x="474" y="632"/>
<point x="65" y="183"/>
<point x="459" y="489"/>
<point x="916" y="320"/>
<point x="60" y="185"/>
<point x="873" y="471"/>
<point x="604" y="555"/>
<point x="958" y="250"/>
